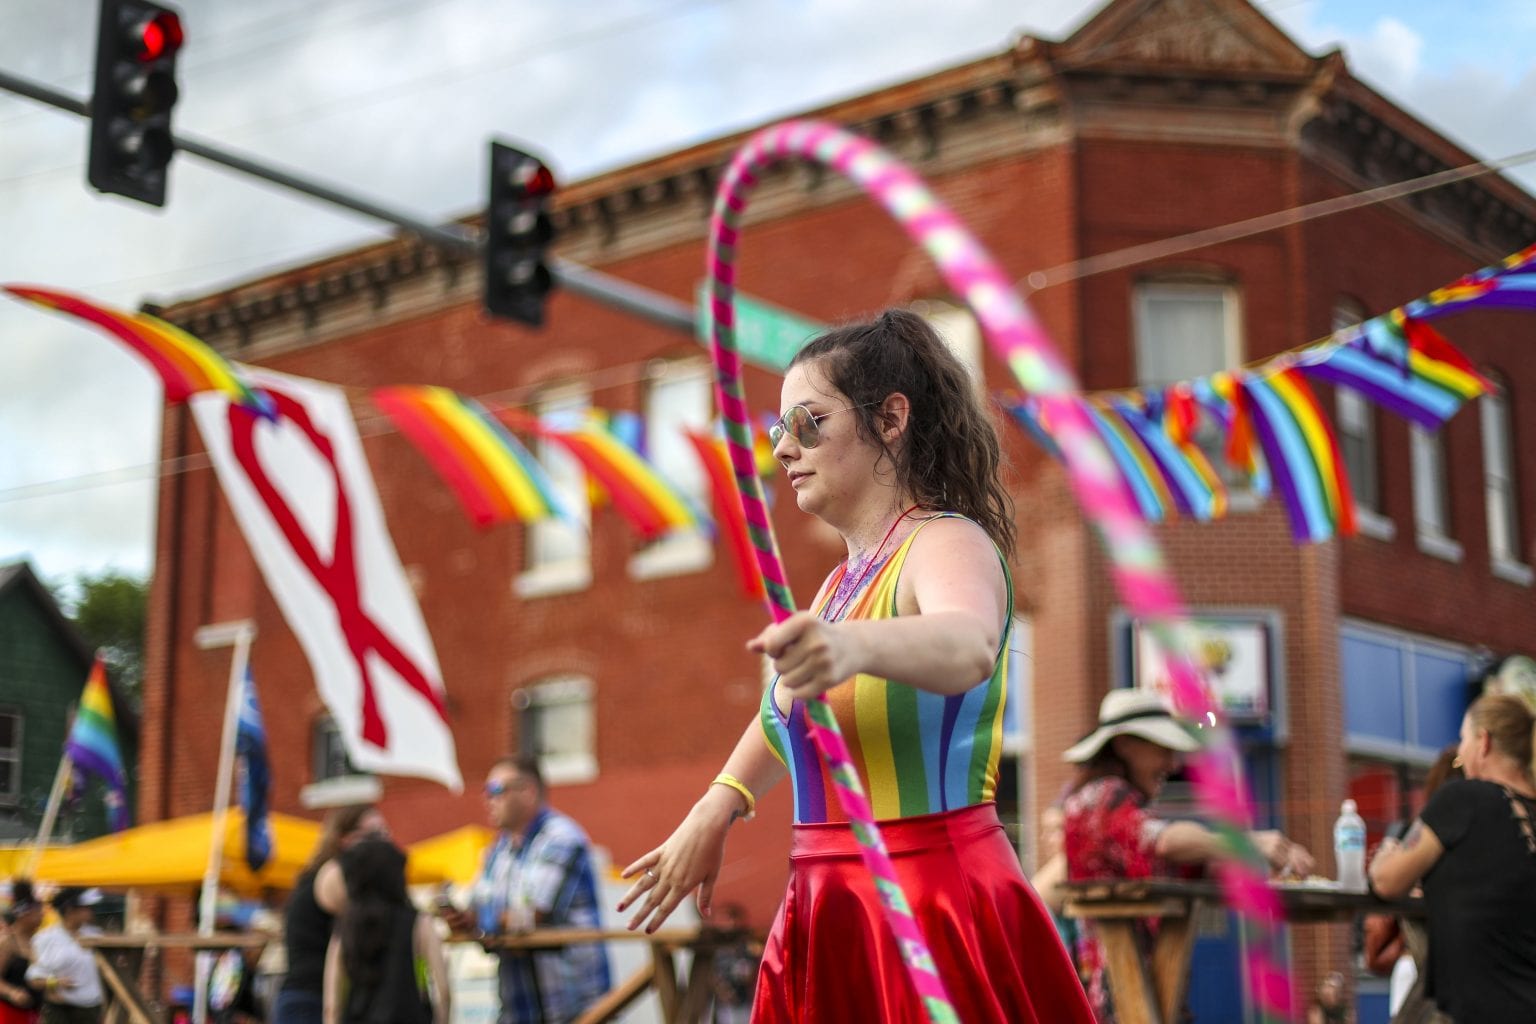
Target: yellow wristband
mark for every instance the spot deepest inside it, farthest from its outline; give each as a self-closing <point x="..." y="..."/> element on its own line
<point x="727" y="779"/>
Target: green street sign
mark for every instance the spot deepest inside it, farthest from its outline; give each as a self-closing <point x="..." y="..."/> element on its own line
<point x="765" y="334"/>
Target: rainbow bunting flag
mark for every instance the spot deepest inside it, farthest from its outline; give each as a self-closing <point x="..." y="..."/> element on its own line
<point x="184" y="364"/>
<point x="495" y="478"/>
<point x="647" y="502"/>
<point x="1508" y="284"/>
<point x="727" y="507"/>
<point x="1221" y="396"/>
<point x="1302" y="452"/>
<point x="1138" y="469"/>
<point x="92" y="749"/>
<point x="1197" y="490"/>
<point x="1409" y="369"/>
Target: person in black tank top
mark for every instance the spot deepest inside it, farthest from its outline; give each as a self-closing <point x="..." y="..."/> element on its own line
<point x="386" y="958"/>
<point x="317" y="897"/>
<point x="1474" y="847"/>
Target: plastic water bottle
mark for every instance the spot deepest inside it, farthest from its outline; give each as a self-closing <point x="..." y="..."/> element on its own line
<point x="1349" y="848"/>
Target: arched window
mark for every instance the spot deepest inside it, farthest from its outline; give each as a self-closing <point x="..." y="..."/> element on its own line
<point x="1431" y="494"/>
<point x="1500" y="490"/>
<point x="679" y="399"/>
<point x="1187" y="328"/>
<point x="559" y="555"/>
<point x="1355" y="424"/>
<point x="557" y="723"/>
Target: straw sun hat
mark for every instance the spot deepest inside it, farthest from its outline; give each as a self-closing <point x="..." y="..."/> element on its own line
<point x="1132" y="712"/>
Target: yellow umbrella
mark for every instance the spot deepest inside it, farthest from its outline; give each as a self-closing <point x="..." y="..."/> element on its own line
<point x="451" y="857"/>
<point x="174" y="854"/>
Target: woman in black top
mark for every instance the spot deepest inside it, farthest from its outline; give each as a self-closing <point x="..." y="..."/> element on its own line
<point x="19" y="1001"/>
<point x="1474" y="847"/>
<point x="386" y="962"/>
<point x="317" y="897"/>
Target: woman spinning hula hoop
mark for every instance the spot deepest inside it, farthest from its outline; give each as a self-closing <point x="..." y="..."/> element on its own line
<point x="883" y="438"/>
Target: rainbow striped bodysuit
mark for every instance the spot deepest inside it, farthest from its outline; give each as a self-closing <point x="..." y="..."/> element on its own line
<point x="916" y="752"/>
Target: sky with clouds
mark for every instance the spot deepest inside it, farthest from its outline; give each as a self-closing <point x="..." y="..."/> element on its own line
<point x="396" y="99"/>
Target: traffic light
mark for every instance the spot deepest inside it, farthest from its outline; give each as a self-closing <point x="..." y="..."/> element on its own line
<point x="131" y="147"/>
<point x="517" y="236"/>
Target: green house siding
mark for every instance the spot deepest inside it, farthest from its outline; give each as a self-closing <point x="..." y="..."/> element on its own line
<point x="41" y="676"/>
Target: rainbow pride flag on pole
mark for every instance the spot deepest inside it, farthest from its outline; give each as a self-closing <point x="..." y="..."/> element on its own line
<point x="92" y="746"/>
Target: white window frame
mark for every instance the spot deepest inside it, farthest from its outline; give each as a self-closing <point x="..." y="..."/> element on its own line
<point x="566" y="766"/>
<point x="557" y="553"/>
<point x="1431" y="494"/>
<point x="686" y="386"/>
<point x="12" y="755"/>
<point x="956" y="326"/>
<point x="1355" y="418"/>
<point x="1501" y="489"/>
<point x="1145" y="296"/>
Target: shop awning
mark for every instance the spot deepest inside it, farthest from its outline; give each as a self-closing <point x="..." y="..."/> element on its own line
<point x="174" y="855"/>
<point x="451" y="857"/>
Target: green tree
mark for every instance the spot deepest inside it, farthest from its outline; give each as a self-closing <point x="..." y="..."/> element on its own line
<point x="109" y="610"/>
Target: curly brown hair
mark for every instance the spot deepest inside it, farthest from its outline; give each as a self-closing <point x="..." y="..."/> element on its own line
<point x="949" y="456"/>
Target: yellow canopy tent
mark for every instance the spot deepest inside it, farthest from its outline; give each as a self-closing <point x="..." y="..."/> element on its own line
<point x="174" y="854"/>
<point x="451" y="857"/>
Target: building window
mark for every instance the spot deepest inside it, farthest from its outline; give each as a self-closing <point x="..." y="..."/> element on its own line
<point x="557" y="722"/>
<point x="331" y="760"/>
<point x="1355" y="419"/>
<point x="559" y="557"/>
<point x="679" y="400"/>
<point x="10" y="755"/>
<point x="1431" y="494"/>
<point x="957" y="327"/>
<point x="1186" y="330"/>
<point x="1499" y="488"/>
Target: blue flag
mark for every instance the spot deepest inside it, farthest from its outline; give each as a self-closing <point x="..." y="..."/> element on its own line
<point x="256" y="790"/>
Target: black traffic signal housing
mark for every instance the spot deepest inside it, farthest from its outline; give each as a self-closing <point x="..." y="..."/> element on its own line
<point x="517" y="236"/>
<point x="131" y="146"/>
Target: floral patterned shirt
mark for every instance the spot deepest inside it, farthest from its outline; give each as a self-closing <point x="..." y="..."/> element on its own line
<point x="1108" y="834"/>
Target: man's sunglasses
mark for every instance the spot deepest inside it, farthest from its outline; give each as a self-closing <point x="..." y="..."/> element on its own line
<point x="498" y="787"/>
<point x="803" y="425"/>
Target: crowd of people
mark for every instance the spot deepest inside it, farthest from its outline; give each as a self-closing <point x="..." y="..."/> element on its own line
<point x="884" y="439"/>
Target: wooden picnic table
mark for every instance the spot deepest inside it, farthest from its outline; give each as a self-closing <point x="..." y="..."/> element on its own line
<point x="1151" y="990"/>
<point x="121" y="959"/>
<point x="684" y="994"/>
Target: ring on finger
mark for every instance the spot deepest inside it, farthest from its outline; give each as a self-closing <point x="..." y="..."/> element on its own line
<point x="652" y="875"/>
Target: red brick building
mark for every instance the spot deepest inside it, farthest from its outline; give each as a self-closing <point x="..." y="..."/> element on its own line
<point x="1155" y="119"/>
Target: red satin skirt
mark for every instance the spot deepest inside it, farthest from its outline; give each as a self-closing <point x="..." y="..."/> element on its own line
<point x="831" y="959"/>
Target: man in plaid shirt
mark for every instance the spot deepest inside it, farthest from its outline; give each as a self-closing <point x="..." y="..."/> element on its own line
<point x="538" y="874"/>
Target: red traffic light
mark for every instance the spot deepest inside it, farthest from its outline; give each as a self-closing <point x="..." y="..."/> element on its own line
<point x="156" y="37"/>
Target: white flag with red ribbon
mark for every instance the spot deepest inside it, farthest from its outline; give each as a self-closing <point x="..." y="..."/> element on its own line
<point x="303" y="495"/>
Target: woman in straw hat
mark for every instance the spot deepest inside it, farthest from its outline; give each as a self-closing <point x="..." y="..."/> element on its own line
<point x="1110" y="833"/>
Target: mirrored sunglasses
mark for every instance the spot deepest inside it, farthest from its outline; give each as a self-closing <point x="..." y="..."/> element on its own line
<point x="803" y="425"/>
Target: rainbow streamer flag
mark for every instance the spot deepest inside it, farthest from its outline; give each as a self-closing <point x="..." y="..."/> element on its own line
<point x="1508" y="284"/>
<point x="92" y="749"/>
<point x="1139" y="471"/>
<point x="495" y="478"/>
<point x="1303" y="454"/>
<point x="729" y="513"/>
<point x="184" y="364"/>
<point x="1196" y="489"/>
<point x="1403" y="365"/>
<point x="651" y="505"/>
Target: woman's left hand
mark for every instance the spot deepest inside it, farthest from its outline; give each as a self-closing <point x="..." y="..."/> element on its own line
<point x="810" y="656"/>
